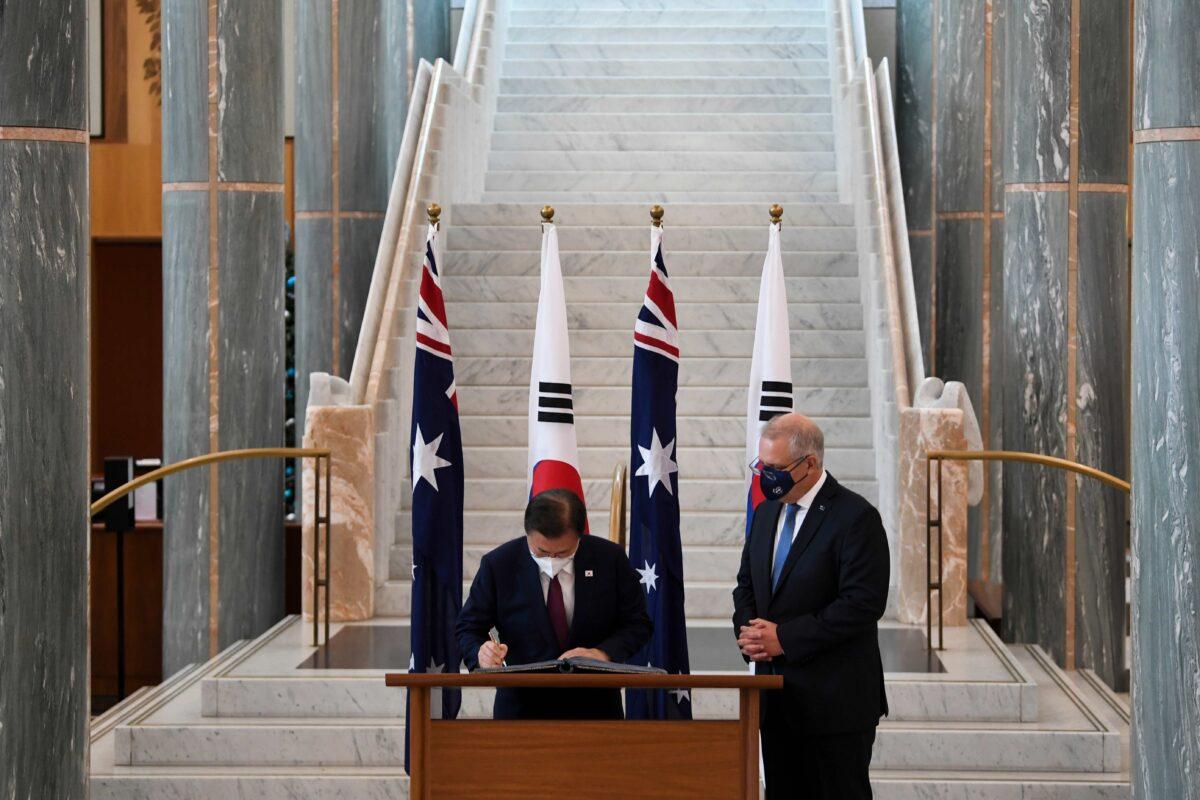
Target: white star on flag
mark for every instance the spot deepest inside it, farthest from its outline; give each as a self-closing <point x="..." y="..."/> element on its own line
<point x="657" y="463"/>
<point x="649" y="576"/>
<point x="681" y="695"/>
<point x="426" y="461"/>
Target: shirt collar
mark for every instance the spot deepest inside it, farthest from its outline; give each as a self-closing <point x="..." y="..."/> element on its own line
<point x="806" y="501"/>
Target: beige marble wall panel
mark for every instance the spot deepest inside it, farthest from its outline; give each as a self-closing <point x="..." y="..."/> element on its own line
<point x="348" y="432"/>
<point x="922" y="430"/>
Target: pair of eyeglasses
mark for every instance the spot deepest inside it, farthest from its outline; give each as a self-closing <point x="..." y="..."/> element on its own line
<point x="757" y="467"/>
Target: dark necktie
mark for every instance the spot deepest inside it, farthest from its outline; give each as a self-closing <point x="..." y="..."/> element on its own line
<point x="558" y="612"/>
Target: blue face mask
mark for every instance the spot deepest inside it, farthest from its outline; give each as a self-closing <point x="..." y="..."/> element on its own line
<point x="776" y="482"/>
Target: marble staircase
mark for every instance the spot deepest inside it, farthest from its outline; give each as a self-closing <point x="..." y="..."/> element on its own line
<point x="1002" y="723"/>
<point x="716" y="110"/>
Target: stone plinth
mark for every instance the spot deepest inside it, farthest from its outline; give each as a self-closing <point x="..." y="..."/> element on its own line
<point x="922" y="430"/>
<point x="348" y="431"/>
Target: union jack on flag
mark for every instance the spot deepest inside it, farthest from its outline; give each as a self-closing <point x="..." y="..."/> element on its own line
<point x="655" y="549"/>
<point x="437" y="486"/>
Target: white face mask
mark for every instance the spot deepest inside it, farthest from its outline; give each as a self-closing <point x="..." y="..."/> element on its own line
<point x="552" y="566"/>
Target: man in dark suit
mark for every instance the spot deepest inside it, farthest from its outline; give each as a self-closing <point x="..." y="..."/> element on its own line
<point x="812" y="586"/>
<point x="554" y="593"/>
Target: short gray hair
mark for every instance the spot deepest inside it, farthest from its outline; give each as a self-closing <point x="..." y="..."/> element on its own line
<point x="803" y="436"/>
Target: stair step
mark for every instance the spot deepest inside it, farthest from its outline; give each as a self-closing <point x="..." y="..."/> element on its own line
<point x="697" y="528"/>
<point x="701" y="400"/>
<point x="678" y="241"/>
<point x="366" y="696"/>
<point x="704" y="601"/>
<point x="682" y="148"/>
<point x="509" y="342"/>
<point x="637" y="262"/>
<point x="224" y="783"/>
<point x="736" y="6"/>
<point x="693" y="431"/>
<point x="502" y="494"/>
<point x="637" y="215"/>
<point x="623" y="51"/>
<point x="708" y="564"/>
<point x="676" y="19"/>
<point x="743" y="123"/>
<point x="624" y="180"/>
<point x="557" y="198"/>
<point x="691" y="316"/>
<point x="1032" y="785"/>
<point x="614" y="160"/>
<point x="667" y="68"/>
<point x="623" y="85"/>
<point x="659" y="104"/>
<point x="510" y="371"/>
<point x="695" y="463"/>
<point x="635" y="33"/>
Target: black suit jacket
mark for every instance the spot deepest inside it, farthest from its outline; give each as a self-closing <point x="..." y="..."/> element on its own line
<point x="831" y="594"/>
<point x="610" y="614"/>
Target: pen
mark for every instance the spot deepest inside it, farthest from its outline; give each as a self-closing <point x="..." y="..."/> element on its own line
<point x="495" y="637"/>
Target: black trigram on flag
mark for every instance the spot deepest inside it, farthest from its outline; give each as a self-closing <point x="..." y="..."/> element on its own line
<point x="774" y="399"/>
<point x="554" y="403"/>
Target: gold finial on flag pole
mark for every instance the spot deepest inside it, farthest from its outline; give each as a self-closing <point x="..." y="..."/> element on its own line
<point x="776" y="214"/>
<point x="435" y="211"/>
<point x="547" y="213"/>
<point x="656" y="215"/>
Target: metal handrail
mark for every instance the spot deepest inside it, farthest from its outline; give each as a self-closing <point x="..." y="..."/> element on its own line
<point x="941" y="456"/>
<point x="616" y="505"/>
<point x="321" y="515"/>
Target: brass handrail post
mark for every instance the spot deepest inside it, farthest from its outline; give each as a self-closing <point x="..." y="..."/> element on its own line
<point x="941" y="538"/>
<point x="1002" y="455"/>
<point x="322" y="513"/>
<point x="328" y="538"/>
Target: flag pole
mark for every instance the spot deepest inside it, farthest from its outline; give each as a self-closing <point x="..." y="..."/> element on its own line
<point x="776" y="214"/>
<point x="547" y="214"/>
<point x="435" y="212"/>
<point x="656" y="215"/>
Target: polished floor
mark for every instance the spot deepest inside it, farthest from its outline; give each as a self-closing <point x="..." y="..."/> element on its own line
<point x="711" y="649"/>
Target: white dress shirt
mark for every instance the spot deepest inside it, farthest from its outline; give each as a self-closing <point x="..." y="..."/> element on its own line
<point x="804" y="503"/>
<point x="566" y="580"/>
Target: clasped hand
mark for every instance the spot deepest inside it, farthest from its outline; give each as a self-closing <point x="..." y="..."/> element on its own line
<point x="759" y="641"/>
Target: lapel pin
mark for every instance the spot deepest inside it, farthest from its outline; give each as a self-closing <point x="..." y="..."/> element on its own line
<point x="587" y="573"/>
<point x="820" y="508"/>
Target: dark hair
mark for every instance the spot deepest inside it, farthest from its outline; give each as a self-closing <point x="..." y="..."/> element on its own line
<point x="554" y="512"/>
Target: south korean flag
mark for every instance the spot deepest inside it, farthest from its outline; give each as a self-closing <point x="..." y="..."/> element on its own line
<point x="770" y="390"/>
<point x="553" y="454"/>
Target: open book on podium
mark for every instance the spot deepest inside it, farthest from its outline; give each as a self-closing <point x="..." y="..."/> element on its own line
<point x="574" y="664"/>
<point x="582" y="759"/>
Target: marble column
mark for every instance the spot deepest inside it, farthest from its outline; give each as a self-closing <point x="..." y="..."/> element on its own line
<point x="354" y="75"/>
<point x="342" y="178"/>
<point x="1166" y="401"/>
<point x="950" y="58"/>
<point x="223" y="282"/>
<point x="43" y="400"/>
<point x="1065" y="322"/>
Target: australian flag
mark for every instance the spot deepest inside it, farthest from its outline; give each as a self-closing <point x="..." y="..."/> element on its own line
<point x="437" y="484"/>
<point x="654" y="544"/>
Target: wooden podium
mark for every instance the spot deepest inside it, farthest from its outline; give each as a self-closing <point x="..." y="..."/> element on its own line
<point x="474" y="758"/>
